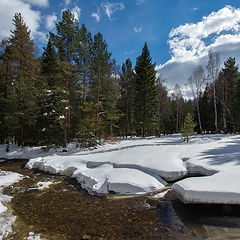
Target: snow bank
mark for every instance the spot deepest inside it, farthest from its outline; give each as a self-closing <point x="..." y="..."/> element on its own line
<point x="105" y="178"/>
<point x="140" y="165"/>
<point x="100" y="179"/>
<point x="6" y="219"/>
<point x="222" y="159"/>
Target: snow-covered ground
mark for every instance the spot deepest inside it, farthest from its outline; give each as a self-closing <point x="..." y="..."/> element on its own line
<point x="142" y="165"/>
<point x="6" y="218"/>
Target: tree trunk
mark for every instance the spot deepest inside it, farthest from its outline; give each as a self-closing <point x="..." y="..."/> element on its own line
<point x="177" y="118"/>
<point x="215" y="107"/>
<point x="84" y="86"/>
<point x="199" y="117"/>
<point x="66" y="114"/>
<point x="126" y="123"/>
<point x="224" y="114"/>
<point x="98" y="100"/>
<point x="65" y="132"/>
<point x="22" y="132"/>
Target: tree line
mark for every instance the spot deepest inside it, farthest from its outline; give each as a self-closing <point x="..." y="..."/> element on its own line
<point x="75" y="91"/>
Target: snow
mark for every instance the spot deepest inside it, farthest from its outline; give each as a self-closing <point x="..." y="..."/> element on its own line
<point x="43" y="185"/>
<point x="32" y="236"/>
<point x="223" y="159"/>
<point x="6" y="219"/>
<point x="138" y="165"/>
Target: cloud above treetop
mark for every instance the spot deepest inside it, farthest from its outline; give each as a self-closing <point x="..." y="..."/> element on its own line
<point x="7" y="11"/>
<point x="96" y="15"/>
<point x="51" y="21"/>
<point x="111" y="8"/>
<point x="38" y="3"/>
<point x="189" y="43"/>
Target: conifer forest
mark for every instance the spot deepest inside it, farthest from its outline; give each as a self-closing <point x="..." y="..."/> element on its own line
<point x="76" y="92"/>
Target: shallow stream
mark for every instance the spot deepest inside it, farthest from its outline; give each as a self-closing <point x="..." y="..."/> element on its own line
<point x="66" y="211"/>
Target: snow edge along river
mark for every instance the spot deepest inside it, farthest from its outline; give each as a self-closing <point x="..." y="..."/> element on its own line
<point x="135" y="166"/>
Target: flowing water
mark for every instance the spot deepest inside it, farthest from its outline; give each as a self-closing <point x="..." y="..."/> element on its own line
<point x="65" y="211"/>
<point x="215" y="222"/>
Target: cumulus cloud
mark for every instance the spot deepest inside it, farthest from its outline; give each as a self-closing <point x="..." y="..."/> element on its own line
<point x="96" y="16"/>
<point x="7" y="10"/>
<point x="189" y="43"/>
<point x="111" y="8"/>
<point x="76" y="11"/>
<point x="38" y="3"/>
<point x="137" y="29"/>
<point x="50" y="22"/>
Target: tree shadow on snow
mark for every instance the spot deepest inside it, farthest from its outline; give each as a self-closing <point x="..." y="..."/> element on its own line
<point x="227" y="154"/>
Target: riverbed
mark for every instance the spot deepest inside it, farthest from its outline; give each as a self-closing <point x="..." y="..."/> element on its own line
<point x="65" y="211"/>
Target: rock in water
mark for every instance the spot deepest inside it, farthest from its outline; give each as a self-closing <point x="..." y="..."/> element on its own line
<point x="169" y="217"/>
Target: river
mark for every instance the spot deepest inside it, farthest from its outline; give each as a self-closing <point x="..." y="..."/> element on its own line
<point x="66" y="211"/>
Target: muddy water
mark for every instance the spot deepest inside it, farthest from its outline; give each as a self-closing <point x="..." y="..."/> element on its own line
<point x="65" y="211"/>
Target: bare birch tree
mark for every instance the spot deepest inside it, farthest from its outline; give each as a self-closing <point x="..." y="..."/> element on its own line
<point x="196" y="84"/>
<point x="213" y="71"/>
<point x="177" y="95"/>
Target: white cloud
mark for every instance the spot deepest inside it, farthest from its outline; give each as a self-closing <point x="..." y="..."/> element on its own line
<point x="129" y="53"/>
<point x="67" y="2"/>
<point x="8" y="8"/>
<point x="194" y="9"/>
<point x="111" y="8"/>
<point x="137" y="29"/>
<point x="38" y="3"/>
<point x="50" y="22"/>
<point x="96" y="16"/>
<point x="139" y="2"/>
<point x="76" y="11"/>
<point x="41" y="36"/>
<point x="189" y="43"/>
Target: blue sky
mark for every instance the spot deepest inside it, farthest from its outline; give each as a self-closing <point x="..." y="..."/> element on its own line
<point x="179" y="33"/>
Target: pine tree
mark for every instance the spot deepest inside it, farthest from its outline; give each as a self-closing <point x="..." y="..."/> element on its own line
<point x="50" y="98"/>
<point x="65" y="42"/>
<point x="188" y="127"/>
<point x="4" y="87"/>
<point x="84" y="44"/>
<point x="21" y="107"/>
<point x="145" y="98"/>
<point x="82" y="108"/>
<point x="103" y="87"/>
<point x="126" y="100"/>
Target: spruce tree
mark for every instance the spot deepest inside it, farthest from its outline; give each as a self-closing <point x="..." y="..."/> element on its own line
<point x="126" y="100"/>
<point x="227" y="83"/>
<point x="145" y="97"/>
<point x="188" y="127"/>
